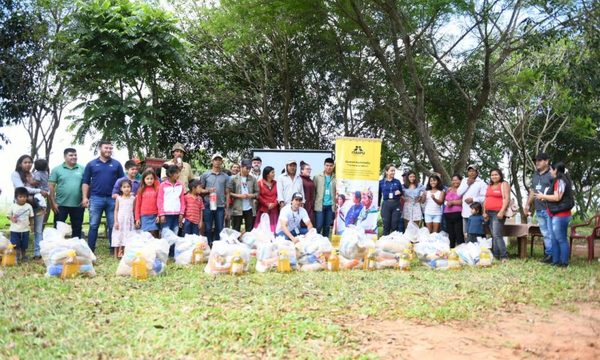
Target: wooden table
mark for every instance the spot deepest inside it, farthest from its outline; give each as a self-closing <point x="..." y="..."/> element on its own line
<point x="522" y="232"/>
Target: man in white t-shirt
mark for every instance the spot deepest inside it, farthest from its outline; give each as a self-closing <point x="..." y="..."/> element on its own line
<point x="290" y="217"/>
<point x="472" y="189"/>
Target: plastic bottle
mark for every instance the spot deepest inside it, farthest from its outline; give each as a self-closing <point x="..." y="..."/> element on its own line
<point x="237" y="264"/>
<point x="411" y="251"/>
<point x="370" y="260"/>
<point x="485" y="258"/>
<point x="283" y="261"/>
<point x="333" y="263"/>
<point x="70" y="266"/>
<point x="453" y="261"/>
<point x="9" y="257"/>
<point x="139" y="270"/>
<point x="212" y="199"/>
<point x="404" y="260"/>
<point x="198" y="254"/>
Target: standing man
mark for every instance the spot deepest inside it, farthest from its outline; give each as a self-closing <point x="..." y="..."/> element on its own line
<point x="472" y="189"/>
<point x="325" y="193"/>
<point x="65" y="191"/>
<point x="185" y="170"/>
<point x="99" y="177"/>
<point x="243" y="190"/>
<point x="541" y="183"/>
<point x="289" y="183"/>
<point x="214" y="184"/>
<point x="256" y="168"/>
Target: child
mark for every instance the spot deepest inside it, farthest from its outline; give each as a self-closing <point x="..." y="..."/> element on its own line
<point x="131" y="171"/>
<point x="194" y="205"/>
<point x="40" y="176"/>
<point x="475" y="223"/>
<point x="146" y="210"/>
<point x="21" y="216"/>
<point x="123" y="218"/>
<point x="171" y="201"/>
<point x="434" y="198"/>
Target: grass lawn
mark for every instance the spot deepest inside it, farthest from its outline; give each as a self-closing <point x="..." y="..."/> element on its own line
<point x="187" y="313"/>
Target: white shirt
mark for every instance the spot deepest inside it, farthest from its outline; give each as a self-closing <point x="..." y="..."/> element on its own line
<point x="286" y="187"/>
<point x="22" y="213"/>
<point x="431" y="207"/>
<point x="293" y="218"/>
<point x="246" y="205"/>
<point x="475" y="191"/>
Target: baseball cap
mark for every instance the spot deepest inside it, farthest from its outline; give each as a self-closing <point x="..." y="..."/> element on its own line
<point x="298" y="196"/>
<point x="217" y="155"/>
<point x="257" y="158"/>
<point x="542" y="156"/>
<point x="291" y="162"/>
<point x="246" y="163"/>
<point x="472" y="166"/>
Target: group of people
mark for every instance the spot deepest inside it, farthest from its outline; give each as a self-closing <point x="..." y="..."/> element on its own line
<point x="292" y="203"/>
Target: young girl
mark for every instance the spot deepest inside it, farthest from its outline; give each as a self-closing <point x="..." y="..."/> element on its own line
<point x="413" y="197"/>
<point x="123" y="218"/>
<point x="475" y="223"/>
<point x="171" y="201"/>
<point x="146" y="209"/>
<point x="434" y="198"/>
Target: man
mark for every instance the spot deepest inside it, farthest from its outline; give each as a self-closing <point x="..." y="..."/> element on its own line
<point x="367" y="219"/>
<point x="290" y="217"/>
<point x="185" y="174"/>
<point x="289" y="183"/>
<point x="354" y="211"/>
<point x="215" y="181"/>
<point x="541" y="183"/>
<point x="324" y="199"/>
<point x="131" y="169"/>
<point x="472" y="189"/>
<point x="256" y="168"/>
<point x="235" y="169"/>
<point x="99" y="177"/>
<point x="65" y="191"/>
<point x="243" y="188"/>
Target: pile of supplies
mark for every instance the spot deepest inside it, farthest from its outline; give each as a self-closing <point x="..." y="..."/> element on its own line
<point x="228" y="255"/>
<point x="63" y="257"/>
<point x="143" y="248"/>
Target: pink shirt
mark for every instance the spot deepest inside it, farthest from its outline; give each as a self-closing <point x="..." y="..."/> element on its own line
<point x="451" y="196"/>
<point x="170" y="199"/>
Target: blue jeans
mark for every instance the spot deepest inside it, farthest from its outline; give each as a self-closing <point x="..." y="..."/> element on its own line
<point x="76" y="216"/>
<point x="300" y="231"/>
<point x="172" y="223"/>
<point x="213" y="223"/>
<point x="323" y="220"/>
<point x="560" y="245"/>
<point x="38" y="228"/>
<point x="191" y="228"/>
<point x="496" y="226"/>
<point x="99" y="204"/>
<point x="545" y="224"/>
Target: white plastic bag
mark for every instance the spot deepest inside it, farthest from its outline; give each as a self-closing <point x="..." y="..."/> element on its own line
<point x="223" y="252"/>
<point x="433" y="248"/>
<point x="54" y="248"/>
<point x="354" y="245"/>
<point x="313" y="251"/>
<point x="184" y="248"/>
<point x="267" y="254"/>
<point x="3" y="242"/>
<point x="412" y="231"/>
<point x="154" y="251"/>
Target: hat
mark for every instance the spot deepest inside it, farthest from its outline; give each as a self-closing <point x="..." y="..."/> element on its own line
<point x="216" y="155"/>
<point x="542" y="156"/>
<point x="298" y="196"/>
<point x="246" y="163"/>
<point x="472" y="166"/>
<point x="136" y="160"/>
<point x="178" y="146"/>
<point x="257" y="158"/>
<point x="291" y="162"/>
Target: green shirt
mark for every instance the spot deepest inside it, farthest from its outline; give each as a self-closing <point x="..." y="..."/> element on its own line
<point x="67" y="184"/>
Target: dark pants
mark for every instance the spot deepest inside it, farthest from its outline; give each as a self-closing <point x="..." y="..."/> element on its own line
<point x="248" y="218"/>
<point x="473" y="237"/>
<point x="391" y="215"/>
<point x="454" y="228"/>
<point x="213" y="223"/>
<point x="75" y="214"/>
<point x="20" y="240"/>
<point x="190" y="228"/>
<point x="323" y="219"/>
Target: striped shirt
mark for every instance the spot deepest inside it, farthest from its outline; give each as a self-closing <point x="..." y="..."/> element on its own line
<point x="193" y="208"/>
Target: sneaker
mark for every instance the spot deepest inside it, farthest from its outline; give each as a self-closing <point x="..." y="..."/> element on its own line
<point x="547" y="259"/>
<point x="24" y="258"/>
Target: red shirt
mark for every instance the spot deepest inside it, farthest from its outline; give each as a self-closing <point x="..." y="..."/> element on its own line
<point x="493" y="198"/>
<point x="266" y="195"/>
<point x="193" y="208"/>
<point x="145" y="202"/>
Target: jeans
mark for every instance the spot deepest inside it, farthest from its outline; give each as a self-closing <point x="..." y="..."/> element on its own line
<point x="391" y="214"/>
<point x="76" y="216"/>
<point x="98" y="204"/>
<point x="248" y="218"/>
<point x="213" y="223"/>
<point x="38" y="228"/>
<point x="560" y="245"/>
<point x="496" y="226"/>
<point x="323" y="220"/>
<point x="172" y="223"/>
<point x="545" y="224"/>
<point x="300" y="231"/>
<point x="191" y="228"/>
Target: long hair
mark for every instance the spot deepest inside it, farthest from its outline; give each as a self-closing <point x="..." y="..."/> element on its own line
<point x="439" y="185"/>
<point x="143" y="186"/>
<point x="561" y="172"/>
<point x="407" y="182"/>
<point x="266" y="171"/>
<point x="499" y="173"/>
<point x="19" y="167"/>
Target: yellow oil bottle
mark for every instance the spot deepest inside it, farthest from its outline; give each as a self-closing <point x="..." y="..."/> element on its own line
<point x="404" y="260"/>
<point x="453" y="261"/>
<point x="485" y="258"/>
<point x="333" y="263"/>
<point x="370" y="260"/>
<point x="9" y="257"/>
<point x="198" y="254"/>
<point x="283" y="261"/>
<point x="237" y="264"/>
<point x="139" y="270"/>
<point x="70" y="266"/>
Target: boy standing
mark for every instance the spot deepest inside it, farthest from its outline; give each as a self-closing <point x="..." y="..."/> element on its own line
<point x="20" y="215"/>
<point x="131" y="171"/>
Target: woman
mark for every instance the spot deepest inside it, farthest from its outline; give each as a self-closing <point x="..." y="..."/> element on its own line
<point x="390" y="192"/>
<point x="434" y="199"/>
<point x="497" y="198"/>
<point x="452" y="213"/>
<point x="267" y="198"/>
<point x="413" y="197"/>
<point x="22" y="177"/>
<point x="309" y="190"/>
<point x="560" y="202"/>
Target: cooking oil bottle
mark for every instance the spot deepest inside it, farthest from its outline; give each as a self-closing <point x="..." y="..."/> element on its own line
<point x="453" y="261"/>
<point x="139" y="270"/>
<point x="9" y="257"/>
<point x="70" y="266"/>
<point x="198" y="254"/>
<point x="237" y="264"/>
<point x="485" y="258"/>
<point x="404" y="260"/>
<point x="333" y="263"/>
<point x="370" y="260"/>
<point x="283" y="261"/>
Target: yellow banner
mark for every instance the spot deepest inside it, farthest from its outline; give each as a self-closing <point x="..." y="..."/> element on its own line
<point x="357" y="159"/>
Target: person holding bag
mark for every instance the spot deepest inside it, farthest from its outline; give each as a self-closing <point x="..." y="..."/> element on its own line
<point x="560" y="202"/>
<point x="497" y="198"/>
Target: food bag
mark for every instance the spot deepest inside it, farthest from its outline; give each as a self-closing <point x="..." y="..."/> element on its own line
<point x="3" y="243"/>
<point x="412" y="232"/>
<point x="313" y="251"/>
<point x="267" y="254"/>
<point x="261" y="234"/>
<point x="184" y="248"/>
<point x="354" y="245"/>
<point x="223" y="251"/>
<point x="54" y="249"/>
<point x="154" y="251"/>
<point x="432" y="250"/>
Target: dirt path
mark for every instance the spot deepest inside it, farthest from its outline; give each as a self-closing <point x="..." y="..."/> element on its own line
<point x="524" y="333"/>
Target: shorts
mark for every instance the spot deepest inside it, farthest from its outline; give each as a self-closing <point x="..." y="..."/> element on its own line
<point x="433" y="218"/>
<point x="20" y="239"/>
<point x="148" y="223"/>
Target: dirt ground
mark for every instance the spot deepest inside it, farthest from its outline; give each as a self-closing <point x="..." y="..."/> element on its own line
<point x="521" y="333"/>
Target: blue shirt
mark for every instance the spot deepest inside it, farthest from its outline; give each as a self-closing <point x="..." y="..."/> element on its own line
<point x="135" y="184"/>
<point x="389" y="187"/>
<point x="475" y="225"/>
<point x="101" y="176"/>
<point x="352" y="214"/>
